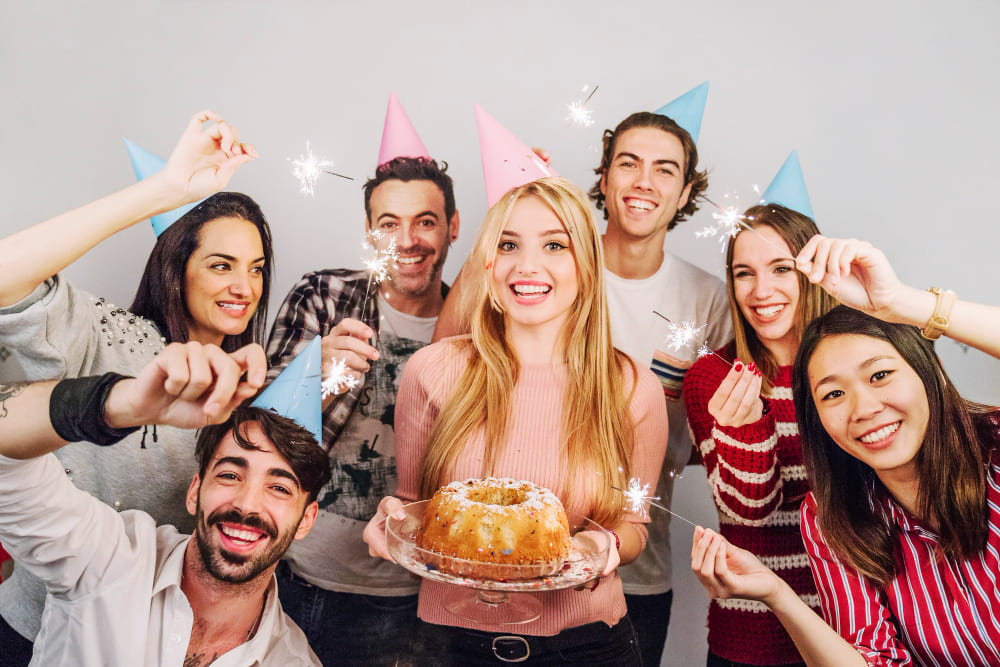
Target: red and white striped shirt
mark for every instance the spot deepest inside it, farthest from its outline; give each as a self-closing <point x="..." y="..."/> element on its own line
<point x="935" y="611"/>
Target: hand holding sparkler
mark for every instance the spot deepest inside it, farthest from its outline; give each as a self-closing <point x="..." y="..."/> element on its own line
<point x="737" y="401"/>
<point x="726" y="571"/>
<point x="346" y="356"/>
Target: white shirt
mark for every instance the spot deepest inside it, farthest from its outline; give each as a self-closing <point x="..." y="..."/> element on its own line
<point x="113" y="580"/>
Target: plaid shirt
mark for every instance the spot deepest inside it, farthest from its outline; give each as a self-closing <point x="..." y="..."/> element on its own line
<point x="312" y="308"/>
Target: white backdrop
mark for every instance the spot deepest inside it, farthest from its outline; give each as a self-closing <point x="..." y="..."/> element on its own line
<point x="891" y="106"/>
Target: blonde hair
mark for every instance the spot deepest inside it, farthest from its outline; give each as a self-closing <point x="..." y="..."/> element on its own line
<point x="795" y="229"/>
<point x="597" y="423"/>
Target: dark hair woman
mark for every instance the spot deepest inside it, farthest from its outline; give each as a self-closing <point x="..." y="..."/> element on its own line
<point x="205" y="281"/>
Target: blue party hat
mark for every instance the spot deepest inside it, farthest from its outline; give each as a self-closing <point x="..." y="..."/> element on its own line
<point x="296" y="392"/>
<point x="688" y="109"/>
<point x="145" y="165"/>
<point x="788" y="187"/>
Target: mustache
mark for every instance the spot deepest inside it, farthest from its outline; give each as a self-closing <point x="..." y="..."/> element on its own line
<point x="254" y="521"/>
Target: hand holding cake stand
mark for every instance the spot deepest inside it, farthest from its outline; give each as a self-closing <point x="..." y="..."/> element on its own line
<point x="504" y="598"/>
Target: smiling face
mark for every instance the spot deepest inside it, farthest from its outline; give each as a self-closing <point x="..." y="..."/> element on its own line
<point x="871" y="402"/>
<point x="766" y="288"/>
<point x="644" y="184"/>
<point x="224" y="278"/>
<point x="248" y="508"/>
<point x="413" y="214"/>
<point x="534" y="274"/>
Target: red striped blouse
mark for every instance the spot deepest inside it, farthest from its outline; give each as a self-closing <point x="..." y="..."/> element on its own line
<point x="934" y="612"/>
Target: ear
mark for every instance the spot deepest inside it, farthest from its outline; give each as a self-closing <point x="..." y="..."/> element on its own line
<point x="367" y="226"/>
<point x="453" y="227"/>
<point x="604" y="183"/>
<point x="685" y="195"/>
<point x="191" y="500"/>
<point x="307" y="520"/>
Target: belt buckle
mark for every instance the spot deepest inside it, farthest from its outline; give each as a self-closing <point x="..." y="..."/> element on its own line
<point x="507" y="646"/>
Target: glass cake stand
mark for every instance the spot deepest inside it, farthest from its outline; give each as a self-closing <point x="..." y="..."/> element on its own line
<point x="505" y="599"/>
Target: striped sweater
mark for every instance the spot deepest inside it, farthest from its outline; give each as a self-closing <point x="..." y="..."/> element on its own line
<point x="758" y="481"/>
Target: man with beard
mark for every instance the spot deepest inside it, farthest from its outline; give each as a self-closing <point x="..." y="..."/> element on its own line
<point x="122" y="591"/>
<point x="358" y="610"/>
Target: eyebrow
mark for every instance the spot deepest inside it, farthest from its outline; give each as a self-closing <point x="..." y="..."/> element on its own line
<point x="864" y="364"/>
<point x="230" y="258"/>
<point x="550" y="232"/>
<point x="241" y="463"/>
<point x="393" y="216"/>
<point x="635" y="157"/>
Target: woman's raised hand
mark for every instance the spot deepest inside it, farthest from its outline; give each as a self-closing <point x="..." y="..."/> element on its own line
<point x="206" y="157"/>
<point x="730" y="572"/>
<point x="853" y="272"/>
<point x="737" y="401"/>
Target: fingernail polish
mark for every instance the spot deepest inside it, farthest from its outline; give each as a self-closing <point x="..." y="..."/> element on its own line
<point x="752" y="367"/>
<point x="738" y="366"/>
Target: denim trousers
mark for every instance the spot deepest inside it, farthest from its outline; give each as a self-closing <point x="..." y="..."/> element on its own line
<point x="650" y="616"/>
<point x="348" y="628"/>
<point x="594" y="644"/>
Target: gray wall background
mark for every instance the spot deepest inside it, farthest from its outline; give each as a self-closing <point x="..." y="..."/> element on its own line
<point x="890" y="104"/>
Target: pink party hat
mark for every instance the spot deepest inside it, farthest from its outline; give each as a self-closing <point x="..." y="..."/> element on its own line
<point x="507" y="163"/>
<point x="399" y="138"/>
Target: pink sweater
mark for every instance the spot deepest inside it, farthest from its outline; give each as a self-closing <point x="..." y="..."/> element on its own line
<point x="533" y="451"/>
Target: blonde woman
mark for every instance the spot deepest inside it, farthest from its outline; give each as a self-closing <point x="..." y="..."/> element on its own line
<point x="536" y="392"/>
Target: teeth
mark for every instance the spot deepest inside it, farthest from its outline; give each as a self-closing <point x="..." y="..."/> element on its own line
<point x="232" y="306"/>
<point x="242" y="535"/>
<point x="531" y="289"/>
<point x="410" y="260"/>
<point x="880" y="434"/>
<point x="770" y="310"/>
<point x="640" y="204"/>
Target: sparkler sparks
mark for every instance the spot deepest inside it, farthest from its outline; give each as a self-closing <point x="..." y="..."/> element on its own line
<point x="728" y="223"/>
<point x="578" y="111"/>
<point x="382" y="262"/>
<point x="307" y="170"/>
<point x="338" y="379"/>
<point x="639" y="501"/>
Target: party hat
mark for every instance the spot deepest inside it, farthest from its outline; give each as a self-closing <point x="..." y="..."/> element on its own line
<point x="399" y="138"/>
<point x="688" y="109"/>
<point x="296" y="392"/>
<point x="788" y="187"/>
<point x="507" y="163"/>
<point x="145" y="165"/>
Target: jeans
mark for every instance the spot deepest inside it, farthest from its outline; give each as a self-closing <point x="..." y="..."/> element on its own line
<point x="594" y="645"/>
<point x="15" y="650"/>
<point x="650" y="616"/>
<point x="349" y="628"/>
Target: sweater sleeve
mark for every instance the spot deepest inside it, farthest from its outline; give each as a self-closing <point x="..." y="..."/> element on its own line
<point x="852" y="605"/>
<point x="741" y="462"/>
<point x="416" y="413"/>
<point x="651" y="428"/>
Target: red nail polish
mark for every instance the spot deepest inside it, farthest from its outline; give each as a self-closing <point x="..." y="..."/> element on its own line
<point x="738" y="366"/>
<point x="752" y="367"/>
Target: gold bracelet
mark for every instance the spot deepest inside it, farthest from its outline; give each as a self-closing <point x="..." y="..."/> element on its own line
<point x="941" y="317"/>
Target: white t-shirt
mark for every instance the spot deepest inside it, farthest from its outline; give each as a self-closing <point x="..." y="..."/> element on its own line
<point x="685" y="294"/>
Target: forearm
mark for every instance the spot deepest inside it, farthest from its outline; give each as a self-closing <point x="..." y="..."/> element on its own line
<point x="25" y="429"/>
<point x="819" y="644"/>
<point x="34" y="254"/>
<point x="631" y="541"/>
<point x="970" y="323"/>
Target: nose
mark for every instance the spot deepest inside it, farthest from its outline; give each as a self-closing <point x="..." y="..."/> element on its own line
<point x="249" y="499"/>
<point x="528" y="261"/>
<point x="643" y="178"/>
<point x="763" y="285"/>
<point x="406" y="236"/>
<point x="240" y="286"/>
<point x="866" y="404"/>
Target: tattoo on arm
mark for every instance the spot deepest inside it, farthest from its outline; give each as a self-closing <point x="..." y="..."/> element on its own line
<point x="9" y="391"/>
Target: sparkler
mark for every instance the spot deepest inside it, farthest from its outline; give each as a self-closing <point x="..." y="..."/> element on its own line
<point x="638" y="498"/>
<point x="680" y="336"/>
<point x="379" y="265"/>
<point x="338" y="379"/>
<point x="578" y="111"/>
<point x="307" y="170"/>
<point x="730" y="222"/>
<point x="705" y="350"/>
